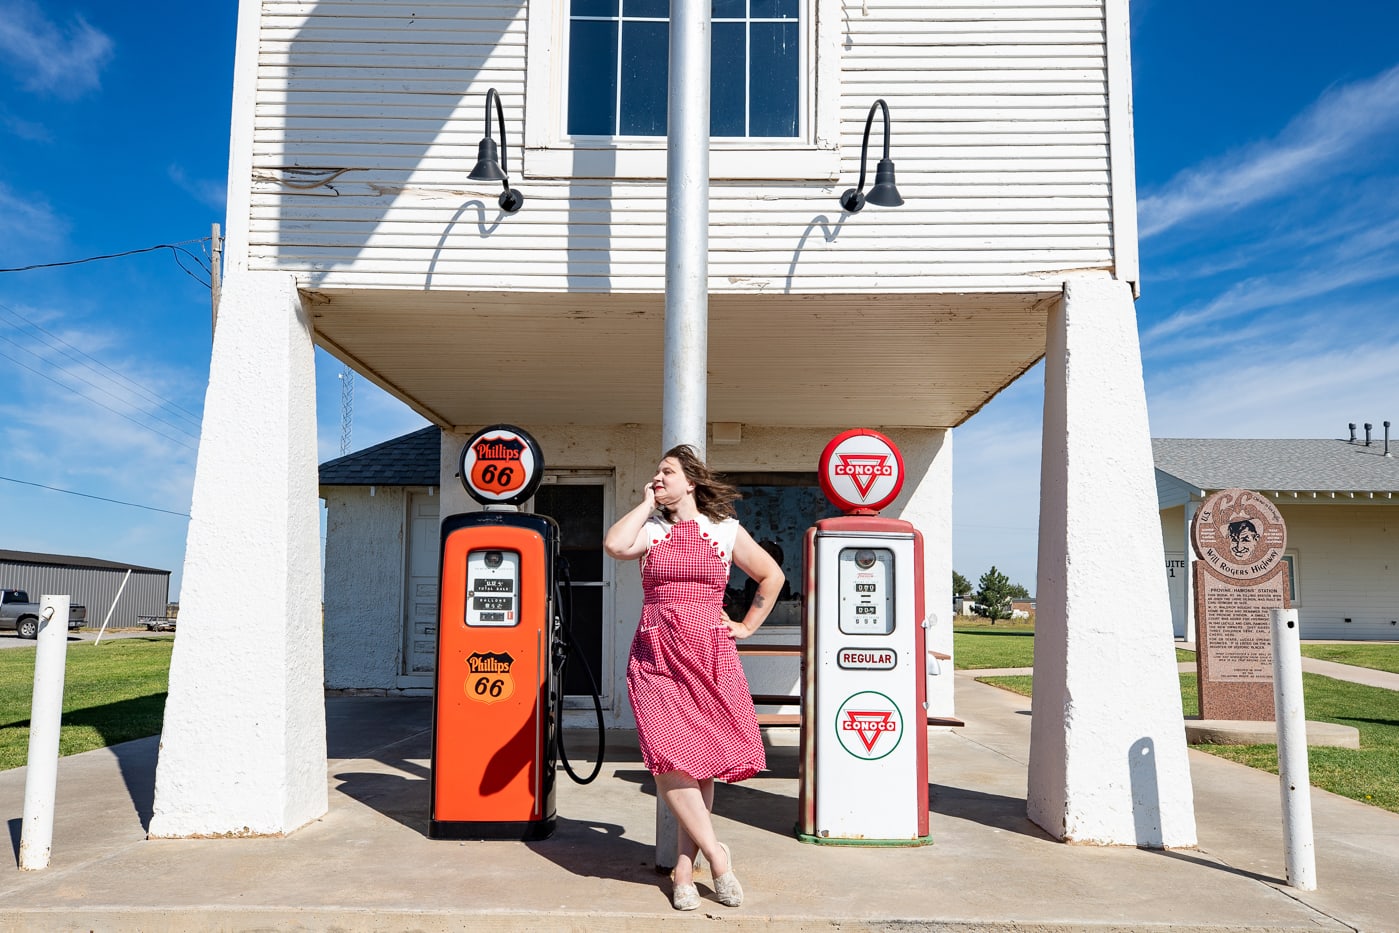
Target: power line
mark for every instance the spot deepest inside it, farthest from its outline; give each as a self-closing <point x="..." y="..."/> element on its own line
<point x="94" y="401"/>
<point x="57" y="343"/>
<point x="176" y="250"/>
<point x="134" y="505"/>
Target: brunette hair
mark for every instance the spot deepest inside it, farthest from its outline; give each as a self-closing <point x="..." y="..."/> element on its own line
<point x="713" y="496"/>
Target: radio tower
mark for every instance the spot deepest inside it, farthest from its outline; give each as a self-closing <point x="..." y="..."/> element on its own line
<point x="347" y="408"/>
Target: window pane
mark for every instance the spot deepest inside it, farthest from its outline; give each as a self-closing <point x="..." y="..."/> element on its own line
<point x="593" y="8"/>
<point x="775" y="77"/>
<point x="655" y="9"/>
<point x="645" y="75"/>
<point x="726" y="74"/>
<point x="727" y="9"/>
<point x="775" y="9"/>
<point x="592" y="78"/>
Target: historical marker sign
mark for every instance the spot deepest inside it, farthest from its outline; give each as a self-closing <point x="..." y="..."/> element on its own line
<point x="1239" y="537"/>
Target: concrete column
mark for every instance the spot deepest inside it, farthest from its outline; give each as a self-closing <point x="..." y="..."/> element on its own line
<point x="243" y="750"/>
<point x="1107" y="743"/>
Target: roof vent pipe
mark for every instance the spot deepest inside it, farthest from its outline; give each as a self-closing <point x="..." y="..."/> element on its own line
<point x="1352" y="432"/>
<point x="1368" y="426"/>
<point x="1386" y="438"/>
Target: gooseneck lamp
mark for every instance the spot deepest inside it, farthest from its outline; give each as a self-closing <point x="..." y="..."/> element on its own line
<point x="883" y="193"/>
<point x="489" y="167"/>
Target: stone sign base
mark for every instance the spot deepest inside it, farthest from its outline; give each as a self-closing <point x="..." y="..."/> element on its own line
<point x="1254" y="732"/>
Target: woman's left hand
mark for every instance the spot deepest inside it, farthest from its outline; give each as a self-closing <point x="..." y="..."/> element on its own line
<point x="737" y="630"/>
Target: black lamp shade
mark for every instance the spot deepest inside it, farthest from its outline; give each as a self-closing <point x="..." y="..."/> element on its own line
<point x="884" y="193"/>
<point x="487" y="163"/>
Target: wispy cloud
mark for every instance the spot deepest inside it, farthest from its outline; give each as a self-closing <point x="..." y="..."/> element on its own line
<point x="211" y="193"/>
<point x="26" y="220"/>
<point x="65" y="61"/>
<point x="1363" y="256"/>
<point x="1339" y="123"/>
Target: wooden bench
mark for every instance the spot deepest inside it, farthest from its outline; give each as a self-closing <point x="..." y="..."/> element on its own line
<point x="775" y="699"/>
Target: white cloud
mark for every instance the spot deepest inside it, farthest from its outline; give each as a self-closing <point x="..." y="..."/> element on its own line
<point x="1362" y="255"/>
<point x="26" y="220"/>
<point x="63" y="61"/>
<point x="1338" y="124"/>
<point x="211" y="193"/>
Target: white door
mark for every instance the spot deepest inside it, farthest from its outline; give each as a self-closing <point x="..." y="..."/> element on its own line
<point x="420" y="589"/>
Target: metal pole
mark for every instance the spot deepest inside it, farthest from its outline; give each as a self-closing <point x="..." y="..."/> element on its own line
<point x="686" y="389"/>
<point x="685" y="393"/>
<point x="45" y="719"/>
<point x="1294" y="778"/>
<point x="120" y="590"/>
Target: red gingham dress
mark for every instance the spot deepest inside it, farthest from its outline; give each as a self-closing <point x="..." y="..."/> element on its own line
<point x="694" y="710"/>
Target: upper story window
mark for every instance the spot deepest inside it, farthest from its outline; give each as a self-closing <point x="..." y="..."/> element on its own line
<point x="596" y="89"/>
<point x="618" y="68"/>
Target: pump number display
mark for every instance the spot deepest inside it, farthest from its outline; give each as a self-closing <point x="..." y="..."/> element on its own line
<point x="492" y="588"/>
<point x="866" y="591"/>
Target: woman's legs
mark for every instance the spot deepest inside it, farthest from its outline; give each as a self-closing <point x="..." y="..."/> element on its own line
<point x="688" y="850"/>
<point x="691" y="802"/>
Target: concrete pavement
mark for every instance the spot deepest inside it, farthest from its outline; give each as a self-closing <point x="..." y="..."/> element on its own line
<point x="368" y="864"/>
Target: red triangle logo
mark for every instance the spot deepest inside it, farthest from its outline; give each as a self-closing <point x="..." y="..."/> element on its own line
<point x="868" y="725"/>
<point x="874" y="467"/>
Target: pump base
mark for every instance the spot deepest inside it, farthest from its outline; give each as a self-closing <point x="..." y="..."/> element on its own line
<point x="884" y="843"/>
<point x="513" y="831"/>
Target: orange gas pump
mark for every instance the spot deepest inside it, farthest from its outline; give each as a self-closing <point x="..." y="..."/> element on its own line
<point x="493" y="723"/>
<point x="502" y="644"/>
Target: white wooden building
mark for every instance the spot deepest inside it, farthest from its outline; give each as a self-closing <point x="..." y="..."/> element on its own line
<point x="353" y="226"/>
<point x="1340" y="502"/>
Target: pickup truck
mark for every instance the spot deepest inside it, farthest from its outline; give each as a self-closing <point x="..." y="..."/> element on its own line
<point x="18" y="613"/>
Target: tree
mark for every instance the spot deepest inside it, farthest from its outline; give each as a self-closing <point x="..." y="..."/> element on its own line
<point x="994" y="596"/>
<point x="1018" y="592"/>
<point x="961" y="586"/>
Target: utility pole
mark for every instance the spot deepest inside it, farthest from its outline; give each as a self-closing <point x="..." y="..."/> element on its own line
<point x="215" y="278"/>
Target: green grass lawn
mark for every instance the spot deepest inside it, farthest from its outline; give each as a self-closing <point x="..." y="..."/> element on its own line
<point x="977" y="645"/>
<point x="1376" y="657"/>
<point x="1369" y="774"/>
<point x="112" y="692"/>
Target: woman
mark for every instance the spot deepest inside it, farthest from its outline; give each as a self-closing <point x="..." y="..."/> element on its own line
<point x="694" y="711"/>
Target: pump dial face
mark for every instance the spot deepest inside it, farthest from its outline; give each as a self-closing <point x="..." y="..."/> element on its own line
<point x="501" y="464"/>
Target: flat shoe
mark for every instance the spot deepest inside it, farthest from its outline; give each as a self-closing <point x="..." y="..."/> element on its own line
<point x="726" y="886"/>
<point x="685" y="897"/>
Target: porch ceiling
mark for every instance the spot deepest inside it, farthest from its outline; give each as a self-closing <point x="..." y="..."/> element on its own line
<point x="463" y="359"/>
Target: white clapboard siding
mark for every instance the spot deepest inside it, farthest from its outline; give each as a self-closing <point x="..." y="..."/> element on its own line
<point x="1346" y="568"/>
<point x="367" y="116"/>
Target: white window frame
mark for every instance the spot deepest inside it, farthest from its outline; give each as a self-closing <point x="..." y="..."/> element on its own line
<point x="550" y="153"/>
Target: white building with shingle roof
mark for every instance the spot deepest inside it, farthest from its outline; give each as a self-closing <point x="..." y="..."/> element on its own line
<point x="1340" y="500"/>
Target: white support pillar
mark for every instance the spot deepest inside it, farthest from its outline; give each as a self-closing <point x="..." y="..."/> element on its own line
<point x="243" y="750"/>
<point x="1108" y="761"/>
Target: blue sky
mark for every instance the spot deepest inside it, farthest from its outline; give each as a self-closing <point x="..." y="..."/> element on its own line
<point x="1267" y="147"/>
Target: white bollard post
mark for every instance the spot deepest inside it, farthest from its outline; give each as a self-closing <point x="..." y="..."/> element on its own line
<point x="45" y="718"/>
<point x="1299" y="849"/>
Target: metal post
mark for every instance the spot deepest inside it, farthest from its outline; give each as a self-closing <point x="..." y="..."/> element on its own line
<point x="45" y="719"/>
<point x="685" y="393"/>
<point x="1294" y="778"/>
<point x="686" y="389"/>
<point x="120" y="590"/>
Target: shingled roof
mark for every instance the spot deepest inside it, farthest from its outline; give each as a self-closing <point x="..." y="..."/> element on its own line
<point x="411" y="460"/>
<point x="1291" y="466"/>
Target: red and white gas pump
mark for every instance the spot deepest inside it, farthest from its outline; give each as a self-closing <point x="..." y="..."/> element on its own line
<point x="493" y="709"/>
<point x="864" y="750"/>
